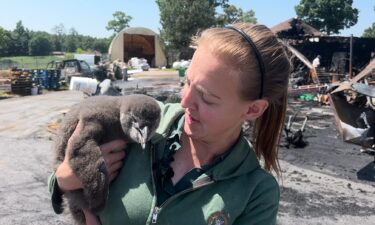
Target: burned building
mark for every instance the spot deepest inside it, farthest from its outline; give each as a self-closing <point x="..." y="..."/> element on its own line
<point x="334" y="50"/>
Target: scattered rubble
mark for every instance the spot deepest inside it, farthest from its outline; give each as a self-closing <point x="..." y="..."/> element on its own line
<point x="354" y="107"/>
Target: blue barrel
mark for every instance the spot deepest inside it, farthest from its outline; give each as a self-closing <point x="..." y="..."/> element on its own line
<point x="44" y="77"/>
<point x="54" y="79"/>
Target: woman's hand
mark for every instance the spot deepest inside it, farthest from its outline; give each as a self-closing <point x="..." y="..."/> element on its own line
<point x="112" y="153"/>
<point x="91" y="218"/>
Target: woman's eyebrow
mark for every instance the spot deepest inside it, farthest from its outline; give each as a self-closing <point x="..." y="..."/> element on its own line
<point x="205" y="91"/>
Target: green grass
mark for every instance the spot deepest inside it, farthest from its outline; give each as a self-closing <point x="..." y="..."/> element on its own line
<point x="4" y="95"/>
<point x="169" y="69"/>
<point x="29" y="62"/>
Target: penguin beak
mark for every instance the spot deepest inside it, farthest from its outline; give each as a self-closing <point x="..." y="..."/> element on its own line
<point x="139" y="135"/>
<point x="143" y="137"/>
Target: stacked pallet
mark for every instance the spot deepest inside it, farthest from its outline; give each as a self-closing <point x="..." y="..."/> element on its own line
<point x="5" y="81"/>
<point x="5" y="85"/>
<point x="21" y="82"/>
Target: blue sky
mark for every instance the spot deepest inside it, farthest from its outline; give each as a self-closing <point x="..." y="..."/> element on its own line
<point x="90" y="17"/>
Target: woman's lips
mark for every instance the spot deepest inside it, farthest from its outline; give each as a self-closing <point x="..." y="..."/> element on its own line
<point x="190" y="119"/>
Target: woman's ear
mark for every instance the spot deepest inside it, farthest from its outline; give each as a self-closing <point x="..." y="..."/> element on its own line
<point x="256" y="109"/>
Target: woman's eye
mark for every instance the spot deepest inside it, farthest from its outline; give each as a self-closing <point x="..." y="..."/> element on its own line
<point x="205" y="100"/>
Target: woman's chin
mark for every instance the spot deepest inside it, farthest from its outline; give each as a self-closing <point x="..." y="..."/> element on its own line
<point x="189" y="130"/>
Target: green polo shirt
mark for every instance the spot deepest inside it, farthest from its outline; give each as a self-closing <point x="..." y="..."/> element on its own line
<point x="164" y="184"/>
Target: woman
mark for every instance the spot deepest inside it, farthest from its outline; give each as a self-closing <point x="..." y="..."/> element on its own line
<point x="199" y="168"/>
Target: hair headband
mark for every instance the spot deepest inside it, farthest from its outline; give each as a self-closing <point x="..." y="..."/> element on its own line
<point x="257" y="54"/>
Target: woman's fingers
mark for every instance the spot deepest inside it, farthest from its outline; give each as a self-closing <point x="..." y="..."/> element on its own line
<point x="113" y="154"/>
<point x="112" y="176"/>
<point x="113" y="146"/>
<point x="113" y="157"/>
<point x="91" y="218"/>
<point x="115" y="166"/>
<point x="66" y="178"/>
<point x="76" y="132"/>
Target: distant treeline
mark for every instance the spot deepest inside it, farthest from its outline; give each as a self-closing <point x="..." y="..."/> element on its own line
<point x="22" y="42"/>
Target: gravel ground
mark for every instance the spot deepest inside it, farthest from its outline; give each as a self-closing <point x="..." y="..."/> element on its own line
<point x="327" y="182"/>
<point x="26" y="156"/>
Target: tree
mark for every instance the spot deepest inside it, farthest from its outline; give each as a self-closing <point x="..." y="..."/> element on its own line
<point x="40" y="44"/>
<point x="328" y="16"/>
<point x="5" y="42"/>
<point x="101" y="45"/>
<point x="370" y="32"/>
<point x="21" y="38"/>
<point x="119" y="22"/>
<point x="249" y="17"/>
<point x="71" y="40"/>
<point x="182" y="19"/>
<point x="231" y="14"/>
<point x="58" y="37"/>
<point x="216" y="3"/>
<point x="85" y="42"/>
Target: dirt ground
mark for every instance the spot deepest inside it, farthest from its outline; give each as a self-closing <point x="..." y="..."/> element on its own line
<point x="327" y="182"/>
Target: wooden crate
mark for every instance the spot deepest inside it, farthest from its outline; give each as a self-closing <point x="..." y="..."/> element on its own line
<point x="21" y="85"/>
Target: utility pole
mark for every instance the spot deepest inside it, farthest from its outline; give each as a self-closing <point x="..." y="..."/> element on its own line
<point x="351" y="56"/>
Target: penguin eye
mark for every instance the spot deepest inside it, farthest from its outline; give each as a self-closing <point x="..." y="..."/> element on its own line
<point x="135" y="124"/>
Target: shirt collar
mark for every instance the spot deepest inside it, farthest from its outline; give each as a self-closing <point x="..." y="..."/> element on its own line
<point x="177" y="129"/>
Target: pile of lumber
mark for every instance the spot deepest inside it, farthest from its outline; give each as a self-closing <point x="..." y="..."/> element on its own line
<point x="21" y="82"/>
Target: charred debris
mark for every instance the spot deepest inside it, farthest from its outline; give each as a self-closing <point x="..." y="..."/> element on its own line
<point x="333" y="70"/>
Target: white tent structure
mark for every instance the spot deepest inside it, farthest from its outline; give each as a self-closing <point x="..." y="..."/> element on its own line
<point x="137" y="42"/>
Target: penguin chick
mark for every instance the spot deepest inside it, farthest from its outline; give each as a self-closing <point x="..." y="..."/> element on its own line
<point x="133" y="118"/>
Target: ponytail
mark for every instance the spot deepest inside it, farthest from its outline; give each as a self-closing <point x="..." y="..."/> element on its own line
<point x="267" y="140"/>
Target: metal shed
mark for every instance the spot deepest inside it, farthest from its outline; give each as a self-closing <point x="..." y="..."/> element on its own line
<point x="138" y="42"/>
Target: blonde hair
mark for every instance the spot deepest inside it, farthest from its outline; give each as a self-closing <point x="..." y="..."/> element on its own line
<point x="232" y="47"/>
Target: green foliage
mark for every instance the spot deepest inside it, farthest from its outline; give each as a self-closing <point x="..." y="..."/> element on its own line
<point x="249" y="17"/>
<point x="182" y="19"/>
<point x="71" y="41"/>
<point x="216" y="3"/>
<point x="231" y="14"/>
<point x="2" y="94"/>
<point x="328" y="16"/>
<point x="369" y="32"/>
<point x="119" y="22"/>
<point x="23" y="42"/>
<point x="80" y="51"/>
<point x="58" y="37"/>
<point x="29" y="62"/>
<point x="40" y="44"/>
<point x="5" y="42"/>
<point x="101" y="45"/>
<point x="21" y="38"/>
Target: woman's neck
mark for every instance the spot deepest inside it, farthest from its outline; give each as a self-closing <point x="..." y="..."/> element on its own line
<point x="197" y="153"/>
<point x="203" y="152"/>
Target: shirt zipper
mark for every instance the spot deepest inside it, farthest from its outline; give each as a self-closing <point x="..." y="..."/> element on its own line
<point x="201" y="183"/>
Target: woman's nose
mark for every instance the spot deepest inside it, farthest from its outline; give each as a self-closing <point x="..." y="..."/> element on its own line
<point x="187" y="100"/>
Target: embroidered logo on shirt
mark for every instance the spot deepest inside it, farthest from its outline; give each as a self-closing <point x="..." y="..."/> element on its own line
<point x="218" y="218"/>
